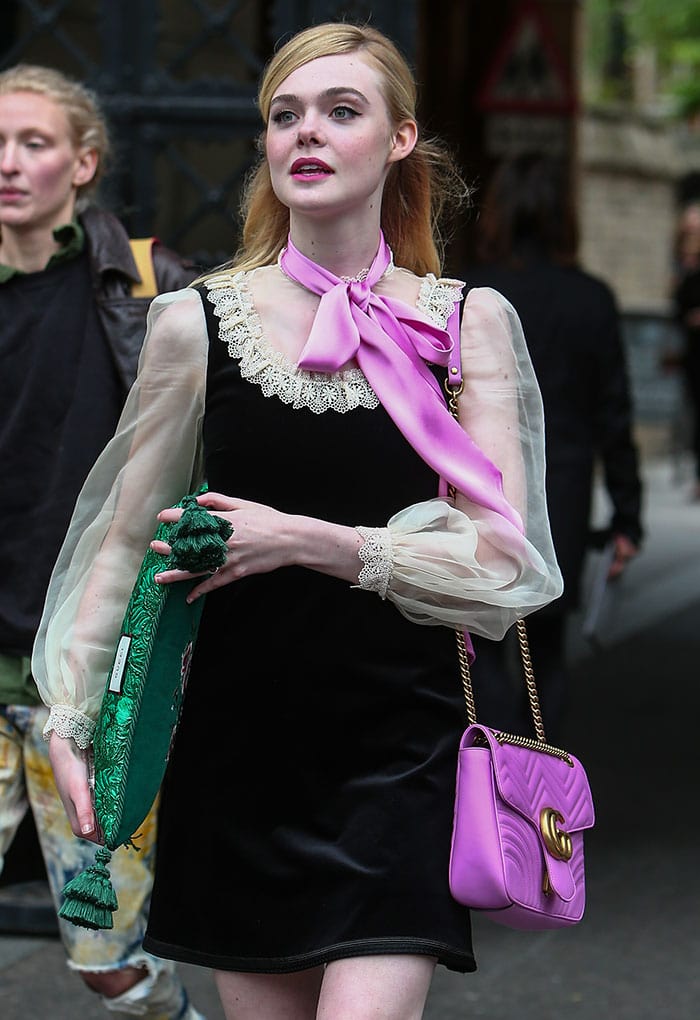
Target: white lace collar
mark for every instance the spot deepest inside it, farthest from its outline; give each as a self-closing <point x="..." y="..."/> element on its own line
<point x="240" y="328"/>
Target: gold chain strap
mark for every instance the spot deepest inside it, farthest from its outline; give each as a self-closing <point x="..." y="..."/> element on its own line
<point x="540" y="743"/>
<point x="532" y="694"/>
<point x="465" y="673"/>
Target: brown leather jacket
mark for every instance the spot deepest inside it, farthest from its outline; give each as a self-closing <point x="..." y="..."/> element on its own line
<point x="114" y="270"/>
<point x="33" y="549"/>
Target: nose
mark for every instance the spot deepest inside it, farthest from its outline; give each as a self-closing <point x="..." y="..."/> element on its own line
<point x="8" y="158"/>
<point x="310" y="131"/>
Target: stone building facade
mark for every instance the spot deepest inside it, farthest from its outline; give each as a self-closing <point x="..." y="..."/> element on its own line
<point x="629" y="167"/>
<point x="628" y="171"/>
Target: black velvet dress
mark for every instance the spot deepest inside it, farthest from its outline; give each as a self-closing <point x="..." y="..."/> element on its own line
<point x="307" y="810"/>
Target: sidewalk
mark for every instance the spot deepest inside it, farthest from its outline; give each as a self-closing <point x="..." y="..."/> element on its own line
<point x="636" y="702"/>
<point x="635" y="956"/>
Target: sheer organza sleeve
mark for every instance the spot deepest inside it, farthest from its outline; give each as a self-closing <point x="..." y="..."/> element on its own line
<point x="450" y="561"/>
<point x="152" y="461"/>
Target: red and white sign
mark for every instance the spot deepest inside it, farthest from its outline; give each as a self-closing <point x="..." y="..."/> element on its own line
<point x="528" y="74"/>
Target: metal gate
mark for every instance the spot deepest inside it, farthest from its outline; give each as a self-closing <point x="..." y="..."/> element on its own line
<point x="177" y="80"/>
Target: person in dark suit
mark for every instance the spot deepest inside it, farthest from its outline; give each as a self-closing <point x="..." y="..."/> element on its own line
<point x="686" y="302"/>
<point x="527" y="250"/>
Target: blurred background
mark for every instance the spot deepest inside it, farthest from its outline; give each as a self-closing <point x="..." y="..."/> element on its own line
<point x="612" y="87"/>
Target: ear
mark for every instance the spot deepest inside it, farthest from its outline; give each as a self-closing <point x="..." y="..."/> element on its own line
<point x="403" y="141"/>
<point x="85" y="167"/>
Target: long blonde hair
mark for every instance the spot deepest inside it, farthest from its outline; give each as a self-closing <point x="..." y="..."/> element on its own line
<point x="86" y="121"/>
<point x="417" y="187"/>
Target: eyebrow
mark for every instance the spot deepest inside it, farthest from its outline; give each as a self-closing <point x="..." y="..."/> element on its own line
<point x="336" y="90"/>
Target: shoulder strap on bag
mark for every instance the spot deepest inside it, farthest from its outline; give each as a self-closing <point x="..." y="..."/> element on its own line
<point x="142" y="250"/>
<point x="453" y="383"/>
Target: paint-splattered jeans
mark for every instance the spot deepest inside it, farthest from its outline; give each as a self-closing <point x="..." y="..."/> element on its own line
<point x="26" y="780"/>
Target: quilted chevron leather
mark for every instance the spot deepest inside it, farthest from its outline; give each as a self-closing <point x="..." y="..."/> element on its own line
<point x="500" y="859"/>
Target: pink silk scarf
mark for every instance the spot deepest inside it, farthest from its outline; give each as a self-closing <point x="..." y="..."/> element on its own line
<point x="391" y="343"/>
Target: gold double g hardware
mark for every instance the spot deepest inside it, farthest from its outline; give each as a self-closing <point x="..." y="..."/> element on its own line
<point x="557" y="841"/>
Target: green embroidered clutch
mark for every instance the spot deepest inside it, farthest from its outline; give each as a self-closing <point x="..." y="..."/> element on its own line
<point x="143" y="699"/>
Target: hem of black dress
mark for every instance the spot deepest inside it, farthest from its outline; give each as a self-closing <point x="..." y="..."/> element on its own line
<point x="452" y="959"/>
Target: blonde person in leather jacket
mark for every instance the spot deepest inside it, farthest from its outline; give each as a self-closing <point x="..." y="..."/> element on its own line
<point x="70" y="337"/>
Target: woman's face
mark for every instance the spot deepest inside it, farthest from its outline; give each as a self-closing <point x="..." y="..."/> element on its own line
<point x="329" y="139"/>
<point x="40" y="169"/>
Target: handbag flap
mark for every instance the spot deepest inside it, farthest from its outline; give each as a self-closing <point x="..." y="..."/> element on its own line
<point x="531" y="781"/>
<point x="551" y="794"/>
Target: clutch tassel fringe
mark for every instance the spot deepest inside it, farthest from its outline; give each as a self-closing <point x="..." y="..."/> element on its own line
<point x="90" y="899"/>
<point x="198" y="539"/>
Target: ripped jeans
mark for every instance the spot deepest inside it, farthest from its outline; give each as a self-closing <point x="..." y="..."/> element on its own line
<point x="26" y="780"/>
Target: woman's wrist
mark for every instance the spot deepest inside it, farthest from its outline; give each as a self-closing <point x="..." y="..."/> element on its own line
<point x="68" y="722"/>
<point x="327" y="548"/>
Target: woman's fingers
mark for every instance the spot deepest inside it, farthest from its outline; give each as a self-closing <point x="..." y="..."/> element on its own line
<point x="86" y="824"/>
<point x="216" y="580"/>
<point x="170" y="515"/>
<point x="169" y="576"/>
<point x="70" y="771"/>
<point x="218" y="501"/>
<point x="162" y="548"/>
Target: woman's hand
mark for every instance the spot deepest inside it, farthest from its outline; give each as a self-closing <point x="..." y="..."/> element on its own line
<point x="69" y="766"/>
<point x="265" y="539"/>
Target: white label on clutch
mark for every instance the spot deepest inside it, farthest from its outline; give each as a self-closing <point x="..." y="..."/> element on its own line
<point x="120" y="659"/>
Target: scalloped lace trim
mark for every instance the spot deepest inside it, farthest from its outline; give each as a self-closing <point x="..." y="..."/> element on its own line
<point x="241" y="330"/>
<point x="437" y="298"/>
<point x="272" y="371"/>
<point x="69" y="722"/>
<point x="376" y="556"/>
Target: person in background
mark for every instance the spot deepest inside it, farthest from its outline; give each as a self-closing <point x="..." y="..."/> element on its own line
<point x="70" y="336"/>
<point x="306" y="813"/>
<point x="686" y="300"/>
<point x="527" y="250"/>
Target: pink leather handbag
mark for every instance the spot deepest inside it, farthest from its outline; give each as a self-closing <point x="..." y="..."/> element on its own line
<point x="521" y="807"/>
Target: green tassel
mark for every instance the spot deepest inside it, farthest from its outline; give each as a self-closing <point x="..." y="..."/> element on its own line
<point x="90" y="899"/>
<point x="198" y="540"/>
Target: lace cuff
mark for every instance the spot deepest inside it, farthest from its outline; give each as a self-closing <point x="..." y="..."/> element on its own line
<point x="69" y="722"/>
<point x="376" y="556"/>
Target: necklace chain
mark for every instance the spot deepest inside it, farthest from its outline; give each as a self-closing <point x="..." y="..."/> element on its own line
<point x="362" y="275"/>
<point x="360" y="278"/>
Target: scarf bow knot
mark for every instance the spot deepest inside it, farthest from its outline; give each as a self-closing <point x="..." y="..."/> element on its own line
<point x="393" y="343"/>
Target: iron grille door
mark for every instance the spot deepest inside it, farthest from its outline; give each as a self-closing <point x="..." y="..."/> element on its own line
<point x="177" y="80"/>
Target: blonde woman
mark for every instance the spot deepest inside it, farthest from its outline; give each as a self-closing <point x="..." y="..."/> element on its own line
<point x="306" y="813"/>
<point x="70" y="335"/>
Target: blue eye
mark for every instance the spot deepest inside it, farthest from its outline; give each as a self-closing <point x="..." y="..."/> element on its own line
<point x="283" y="117"/>
<point x="343" y="113"/>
